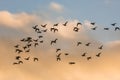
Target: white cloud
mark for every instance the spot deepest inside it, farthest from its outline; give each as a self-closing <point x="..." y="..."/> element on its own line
<point x="56" y="7"/>
<point x="15" y="20"/>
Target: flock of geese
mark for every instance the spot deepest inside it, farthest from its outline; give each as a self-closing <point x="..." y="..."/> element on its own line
<point x="30" y="42"/>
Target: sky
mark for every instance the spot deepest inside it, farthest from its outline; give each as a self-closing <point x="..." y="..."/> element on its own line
<point x="18" y="17"/>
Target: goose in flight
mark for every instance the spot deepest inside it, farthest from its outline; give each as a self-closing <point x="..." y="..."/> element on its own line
<point x="34" y="27"/>
<point x="76" y="29"/>
<point x="18" y="57"/>
<point x="35" y="59"/>
<point x="44" y="26"/>
<point x="58" y="57"/>
<point x="106" y="28"/>
<point x="54" y="29"/>
<point x="36" y="44"/>
<point x="78" y="43"/>
<point x="87" y="44"/>
<point x="66" y="54"/>
<point x="29" y="45"/>
<point x="27" y="50"/>
<point x="92" y="23"/>
<point x="54" y="41"/>
<point x="25" y="47"/>
<point x="19" y="51"/>
<point x="79" y="23"/>
<point x="117" y="28"/>
<point x="71" y="63"/>
<point x="44" y="30"/>
<point x="40" y="36"/>
<point x="94" y="28"/>
<point x="84" y="54"/>
<point x="56" y="24"/>
<point x="58" y="50"/>
<point x="16" y="46"/>
<point x="113" y="24"/>
<point x="101" y="47"/>
<point x="65" y="23"/>
<point x="41" y="41"/>
<point x="20" y="62"/>
<point x="88" y="58"/>
<point x="27" y="58"/>
<point x="98" y="55"/>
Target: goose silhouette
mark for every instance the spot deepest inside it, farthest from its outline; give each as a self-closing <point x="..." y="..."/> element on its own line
<point x="16" y="46"/>
<point x="92" y="23"/>
<point x="58" y="57"/>
<point x="71" y="63"/>
<point x="79" y="23"/>
<point x="18" y="57"/>
<point x="56" y="24"/>
<point x="88" y="58"/>
<point x="54" y="41"/>
<point x="98" y="55"/>
<point x="76" y="29"/>
<point x="65" y="23"/>
<point x="117" y="28"/>
<point x="101" y="47"/>
<point x="35" y="59"/>
<point x="78" y="43"/>
<point x="19" y="51"/>
<point x="94" y="28"/>
<point x="27" y="58"/>
<point x="113" y="24"/>
<point x="84" y="54"/>
<point x="88" y="44"/>
<point x="106" y="28"/>
<point x="58" y="50"/>
<point x="44" y="26"/>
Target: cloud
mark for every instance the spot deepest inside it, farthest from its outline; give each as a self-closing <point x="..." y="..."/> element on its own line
<point x="56" y="7"/>
<point x="46" y="68"/>
<point x="15" y="20"/>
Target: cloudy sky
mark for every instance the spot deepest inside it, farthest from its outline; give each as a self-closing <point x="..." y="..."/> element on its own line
<point x="18" y="17"/>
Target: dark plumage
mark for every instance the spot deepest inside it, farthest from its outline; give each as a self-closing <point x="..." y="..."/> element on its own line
<point x="55" y="24"/>
<point x="88" y="58"/>
<point x="76" y="29"/>
<point x="101" y="47"/>
<point x="40" y="36"/>
<point x="17" y="57"/>
<point x="58" y="57"/>
<point x="88" y="44"/>
<point x="79" y="23"/>
<point x="106" y="28"/>
<point x="66" y="54"/>
<point x="78" y="43"/>
<point x="71" y="63"/>
<point x="27" y="58"/>
<point x="65" y="23"/>
<point x="92" y="23"/>
<point x="113" y="24"/>
<point x="94" y="28"/>
<point x="16" y="46"/>
<point x="57" y="50"/>
<point x="117" y="28"/>
<point x="36" y="44"/>
<point x="54" y="41"/>
<point x="35" y="59"/>
<point x="98" y="55"/>
<point x="27" y="50"/>
<point x="18" y="51"/>
<point x="84" y="54"/>
<point x="44" y="26"/>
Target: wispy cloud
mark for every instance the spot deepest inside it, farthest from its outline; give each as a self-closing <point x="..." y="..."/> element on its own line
<point x="56" y="6"/>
